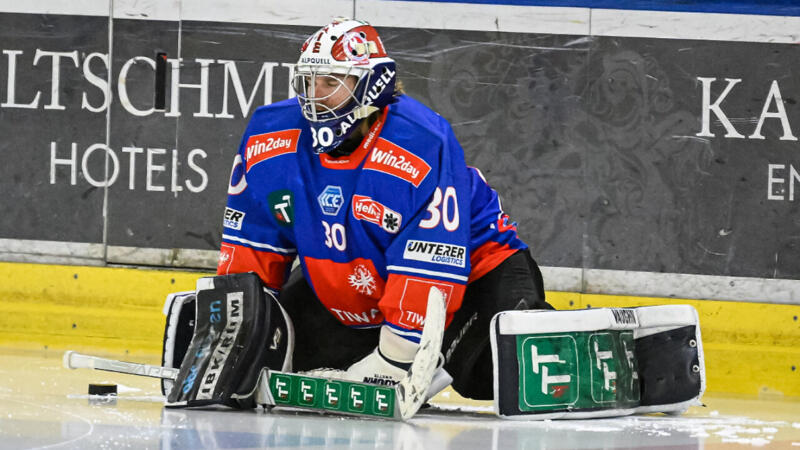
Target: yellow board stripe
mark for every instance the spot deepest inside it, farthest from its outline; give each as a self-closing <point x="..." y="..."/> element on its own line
<point x="101" y="309"/>
<point x="750" y="348"/>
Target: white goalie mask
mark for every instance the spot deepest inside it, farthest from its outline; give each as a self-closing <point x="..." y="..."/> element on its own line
<point x="342" y="76"/>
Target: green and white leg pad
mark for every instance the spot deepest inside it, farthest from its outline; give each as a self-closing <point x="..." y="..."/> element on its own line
<point x="596" y="362"/>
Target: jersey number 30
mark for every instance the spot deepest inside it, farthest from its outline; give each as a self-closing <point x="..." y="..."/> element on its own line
<point x="324" y="136"/>
<point x="442" y="209"/>
<point x="334" y="236"/>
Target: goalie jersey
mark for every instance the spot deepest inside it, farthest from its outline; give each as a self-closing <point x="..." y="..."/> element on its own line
<point x="374" y="230"/>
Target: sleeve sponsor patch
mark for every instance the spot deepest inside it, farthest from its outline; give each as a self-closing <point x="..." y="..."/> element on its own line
<point x="394" y="160"/>
<point x="365" y="208"/>
<point x="233" y="219"/>
<point x="436" y="253"/>
<point x="261" y="147"/>
<point x="282" y="204"/>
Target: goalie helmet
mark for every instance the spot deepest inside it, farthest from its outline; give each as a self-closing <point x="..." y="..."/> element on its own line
<point x="332" y="102"/>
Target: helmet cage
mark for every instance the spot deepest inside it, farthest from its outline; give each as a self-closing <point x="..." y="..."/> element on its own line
<point x="314" y="109"/>
<point x="339" y="50"/>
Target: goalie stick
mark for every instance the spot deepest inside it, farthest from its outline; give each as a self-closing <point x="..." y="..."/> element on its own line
<point x="275" y="388"/>
<point x="74" y="360"/>
<point x="411" y="390"/>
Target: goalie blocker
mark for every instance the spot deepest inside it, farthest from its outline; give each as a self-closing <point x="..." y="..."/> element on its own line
<point x="596" y="362"/>
<point x="220" y="337"/>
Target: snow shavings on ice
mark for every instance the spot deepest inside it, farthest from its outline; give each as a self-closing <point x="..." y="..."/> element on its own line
<point x="728" y="429"/>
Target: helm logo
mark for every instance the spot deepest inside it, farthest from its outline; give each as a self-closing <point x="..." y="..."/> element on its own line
<point x="369" y="210"/>
<point x="314" y="60"/>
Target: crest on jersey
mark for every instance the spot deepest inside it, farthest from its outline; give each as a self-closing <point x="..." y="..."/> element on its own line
<point x="362" y="280"/>
<point x="330" y="200"/>
<point x="225" y="259"/>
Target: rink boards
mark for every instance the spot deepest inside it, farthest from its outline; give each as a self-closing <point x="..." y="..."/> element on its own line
<point x="750" y="348"/>
<point x="622" y="141"/>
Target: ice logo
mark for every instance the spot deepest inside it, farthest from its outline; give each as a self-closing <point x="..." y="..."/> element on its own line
<point x="331" y="200"/>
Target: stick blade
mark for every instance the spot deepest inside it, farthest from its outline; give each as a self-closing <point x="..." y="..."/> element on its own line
<point x="74" y="360"/>
<point x="412" y="389"/>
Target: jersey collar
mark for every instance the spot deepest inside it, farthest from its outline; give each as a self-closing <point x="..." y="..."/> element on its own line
<point x="353" y="160"/>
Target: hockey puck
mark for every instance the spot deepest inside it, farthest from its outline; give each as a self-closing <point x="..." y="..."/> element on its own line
<point x="102" y="389"/>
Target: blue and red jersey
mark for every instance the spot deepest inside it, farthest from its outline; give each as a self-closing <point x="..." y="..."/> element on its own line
<point x="373" y="230"/>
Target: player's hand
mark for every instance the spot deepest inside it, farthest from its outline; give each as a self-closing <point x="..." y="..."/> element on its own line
<point x="388" y="363"/>
<point x="375" y="369"/>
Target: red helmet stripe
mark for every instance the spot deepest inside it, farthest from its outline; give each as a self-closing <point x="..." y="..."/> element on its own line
<point x="339" y="52"/>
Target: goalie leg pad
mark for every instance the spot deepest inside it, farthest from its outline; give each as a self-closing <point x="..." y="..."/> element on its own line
<point x="597" y="362"/>
<point x="239" y="329"/>
<point x="669" y="351"/>
<point x="178" y="332"/>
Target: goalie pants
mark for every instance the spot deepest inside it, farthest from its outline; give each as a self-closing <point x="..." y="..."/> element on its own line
<point x="322" y="341"/>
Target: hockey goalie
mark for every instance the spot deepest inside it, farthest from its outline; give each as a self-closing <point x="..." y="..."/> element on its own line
<point x="367" y="190"/>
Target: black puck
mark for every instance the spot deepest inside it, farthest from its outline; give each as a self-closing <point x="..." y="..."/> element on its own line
<point x="102" y="389"/>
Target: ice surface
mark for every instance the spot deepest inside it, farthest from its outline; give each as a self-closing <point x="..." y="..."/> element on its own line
<point x="45" y="406"/>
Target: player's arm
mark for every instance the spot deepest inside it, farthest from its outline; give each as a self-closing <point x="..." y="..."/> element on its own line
<point x="253" y="240"/>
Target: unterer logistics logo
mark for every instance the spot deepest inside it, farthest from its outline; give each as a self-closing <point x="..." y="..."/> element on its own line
<point x="435" y="252"/>
<point x="233" y="219"/>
